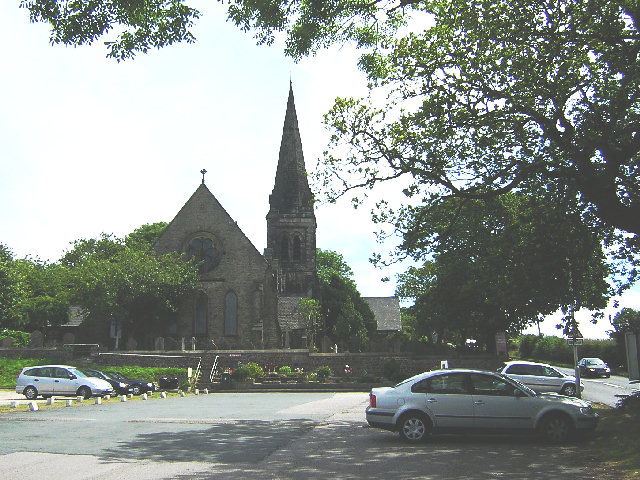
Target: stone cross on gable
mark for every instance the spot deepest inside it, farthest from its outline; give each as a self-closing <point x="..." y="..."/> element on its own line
<point x="203" y="171"/>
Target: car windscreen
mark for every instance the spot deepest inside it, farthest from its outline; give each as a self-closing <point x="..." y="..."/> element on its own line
<point x="77" y="372"/>
<point x="520" y="385"/>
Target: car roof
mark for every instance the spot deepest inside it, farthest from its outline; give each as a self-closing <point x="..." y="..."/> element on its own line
<point x="48" y="366"/>
<point x="525" y="362"/>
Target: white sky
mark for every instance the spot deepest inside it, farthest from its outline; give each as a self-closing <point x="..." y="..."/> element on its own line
<point x="88" y="145"/>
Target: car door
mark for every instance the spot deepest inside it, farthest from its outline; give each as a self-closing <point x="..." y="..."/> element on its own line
<point x="43" y="380"/>
<point x="551" y="379"/>
<point x="447" y="399"/>
<point x="500" y="405"/>
<point x="64" y="383"/>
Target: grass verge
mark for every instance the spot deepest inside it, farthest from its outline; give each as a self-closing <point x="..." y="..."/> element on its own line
<point x="614" y="447"/>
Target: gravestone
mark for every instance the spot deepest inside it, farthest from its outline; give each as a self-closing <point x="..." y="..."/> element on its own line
<point x="36" y="340"/>
<point x="6" y="342"/>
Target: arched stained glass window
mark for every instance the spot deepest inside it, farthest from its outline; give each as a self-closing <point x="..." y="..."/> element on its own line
<point x="231" y="314"/>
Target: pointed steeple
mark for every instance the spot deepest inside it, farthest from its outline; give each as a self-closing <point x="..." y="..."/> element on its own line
<point x="291" y="192"/>
<point x="291" y="222"/>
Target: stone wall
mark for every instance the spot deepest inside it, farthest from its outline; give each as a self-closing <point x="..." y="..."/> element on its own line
<point x="372" y="363"/>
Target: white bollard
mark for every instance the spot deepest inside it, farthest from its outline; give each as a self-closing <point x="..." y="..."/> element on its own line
<point x="144" y="396"/>
<point x="123" y="398"/>
<point x="196" y="392"/>
<point x="14" y="404"/>
<point x="50" y="401"/>
<point x="79" y="399"/>
<point x="206" y="391"/>
<point x="181" y="393"/>
<point x="69" y="402"/>
<point x="97" y="401"/>
<point x="33" y="406"/>
<point x="163" y="395"/>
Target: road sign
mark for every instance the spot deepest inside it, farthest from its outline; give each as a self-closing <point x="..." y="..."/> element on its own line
<point x="574" y="341"/>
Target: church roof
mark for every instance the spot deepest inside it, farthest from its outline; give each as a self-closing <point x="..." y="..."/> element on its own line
<point x="291" y="192"/>
<point x="386" y="311"/>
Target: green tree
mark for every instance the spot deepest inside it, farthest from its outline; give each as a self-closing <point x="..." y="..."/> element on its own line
<point x="142" y="24"/>
<point x="33" y="294"/>
<point x="12" y="289"/>
<point x="626" y="320"/>
<point x="349" y="321"/>
<point x="127" y="281"/>
<point x="499" y="264"/>
<point x="310" y="309"/>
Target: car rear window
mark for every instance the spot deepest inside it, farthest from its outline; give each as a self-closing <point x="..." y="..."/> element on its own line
<point x="523" y="369"/>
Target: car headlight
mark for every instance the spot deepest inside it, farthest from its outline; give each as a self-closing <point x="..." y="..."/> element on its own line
<point x="586" y="411"/>
<point x="149" y="385"/>
<point x="122" y="385"/>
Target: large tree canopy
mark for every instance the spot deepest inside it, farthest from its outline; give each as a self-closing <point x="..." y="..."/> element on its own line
<point x="500" y="265"/>
<point x="130" y="26"/>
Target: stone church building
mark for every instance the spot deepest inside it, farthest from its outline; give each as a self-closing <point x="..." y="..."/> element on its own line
<point x="242" y="290"/>
<point x="248" y="300"/>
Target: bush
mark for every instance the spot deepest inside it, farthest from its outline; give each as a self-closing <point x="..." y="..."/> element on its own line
<point x="366" y="377"/>
<point x="244" y="372"/>
<point x="391" y="370"/>
<point x="323" y="373"/>
<point x="285" y="369"/>
<point x="20" y="339"/>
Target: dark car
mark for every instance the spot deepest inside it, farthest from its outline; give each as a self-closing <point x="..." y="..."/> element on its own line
<point x="594" y="367"/>
<point x="138" y="386"/>
<point x="119" y="387"/>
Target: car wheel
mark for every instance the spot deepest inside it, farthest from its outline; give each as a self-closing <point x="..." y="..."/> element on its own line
<point x="30" y="392"/>
<point x="136" y="390"/>
<point x="84" y="392"/>
<point x="569" y="390"/>
<point x="414" y="427"/>
<point x="555" y="428"/>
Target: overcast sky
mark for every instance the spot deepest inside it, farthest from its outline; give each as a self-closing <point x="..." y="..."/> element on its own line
<point x="88" y="145"/>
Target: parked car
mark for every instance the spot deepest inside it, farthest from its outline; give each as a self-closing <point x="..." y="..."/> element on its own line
<point x="541" y="377"/>
<point x="474" y="400"/>
<point x="138" y="386"/>
<point x="594" y="367"/>
<point x="59" y="380"/>
<point x="119" y="387"/>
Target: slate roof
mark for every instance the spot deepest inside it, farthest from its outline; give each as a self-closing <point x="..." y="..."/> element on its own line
<point x="386" y="311"/>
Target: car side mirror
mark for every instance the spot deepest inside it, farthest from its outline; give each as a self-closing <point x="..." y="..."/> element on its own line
<point x="72" y="377"/>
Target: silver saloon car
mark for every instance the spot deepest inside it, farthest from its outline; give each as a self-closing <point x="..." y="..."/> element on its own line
<point x="474" y="400"/>
<point x="59" y="380"/>
<point x="541" y="377"/>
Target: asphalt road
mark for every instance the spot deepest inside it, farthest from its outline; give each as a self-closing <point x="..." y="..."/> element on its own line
<point x="258" y="436"/>
<point x="604" y="390"/>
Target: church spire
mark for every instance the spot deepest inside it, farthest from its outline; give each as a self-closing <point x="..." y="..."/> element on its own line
<point x="291" y="222"/>
<point x="291" y="192"/>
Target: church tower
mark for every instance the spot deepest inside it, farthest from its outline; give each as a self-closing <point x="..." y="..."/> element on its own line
<point x="291" y="222"/>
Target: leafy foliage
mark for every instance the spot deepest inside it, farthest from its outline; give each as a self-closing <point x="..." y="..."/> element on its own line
<point x="497" y="265"/>
<point x="142" y="24"/>
<point x="128" y="281"/>
<point x="20" y="339"/>
<point x="349" y="321"/>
